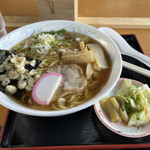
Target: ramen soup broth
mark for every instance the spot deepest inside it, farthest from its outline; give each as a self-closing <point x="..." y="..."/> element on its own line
<point x="51" y="52"/>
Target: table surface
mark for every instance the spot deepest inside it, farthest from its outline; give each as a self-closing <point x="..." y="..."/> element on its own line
<point x="143" y="36"/>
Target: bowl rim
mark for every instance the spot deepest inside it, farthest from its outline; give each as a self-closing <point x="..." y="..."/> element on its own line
<point x="33" y="112"/>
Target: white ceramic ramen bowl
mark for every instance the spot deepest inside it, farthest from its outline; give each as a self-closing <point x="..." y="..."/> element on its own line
<point x="14" y="37"/>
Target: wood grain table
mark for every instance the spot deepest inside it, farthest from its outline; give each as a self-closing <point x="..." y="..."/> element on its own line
<point x="143" y="37"/>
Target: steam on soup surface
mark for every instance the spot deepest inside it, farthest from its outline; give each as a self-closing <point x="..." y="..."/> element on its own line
<point x="83" y="63"/>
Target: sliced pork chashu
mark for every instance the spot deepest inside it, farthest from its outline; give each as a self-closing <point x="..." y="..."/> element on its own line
<point x="73" y="79"/>
<point x="75" y="84"/>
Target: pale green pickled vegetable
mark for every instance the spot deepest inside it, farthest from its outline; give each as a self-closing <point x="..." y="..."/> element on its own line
<point x="115" y="103"/>
<point x="102" y="103"/>
<point x="112" y="112"/>
<point x="123" y="115"/>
